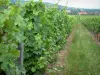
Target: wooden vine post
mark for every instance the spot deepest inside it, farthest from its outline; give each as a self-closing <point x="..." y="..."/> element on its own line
<point x="21" y="48"/>
<point x="21" y="58"/>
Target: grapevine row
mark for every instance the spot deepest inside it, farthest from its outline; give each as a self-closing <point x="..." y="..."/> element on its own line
<point x="43" y="31"/>
<point x="93" y="24"/>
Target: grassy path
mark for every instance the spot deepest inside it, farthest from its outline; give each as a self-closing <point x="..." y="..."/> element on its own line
<point x="84" y="55"/>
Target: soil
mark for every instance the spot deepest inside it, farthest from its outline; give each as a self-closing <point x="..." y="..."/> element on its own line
<point x="59" y="67"/>
<point x="95" y="39"/>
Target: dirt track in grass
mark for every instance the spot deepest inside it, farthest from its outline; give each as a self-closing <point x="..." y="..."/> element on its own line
<point x="84" y="55"/>
<point x="59" y="67"/>
<point x="81" y="55"/>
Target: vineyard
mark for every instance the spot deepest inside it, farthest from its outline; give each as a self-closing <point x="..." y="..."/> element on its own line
<point x="32" y="34"/>
<point x="41" y="32"/>
<point x="92" y="23"/>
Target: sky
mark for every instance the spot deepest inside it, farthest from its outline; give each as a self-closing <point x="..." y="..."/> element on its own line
<point x="78" y="3"/>
<point x="95" y="4"/>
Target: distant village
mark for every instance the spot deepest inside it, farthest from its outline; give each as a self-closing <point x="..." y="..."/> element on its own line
<point x="82" y="11"/>
<point x="71" y="10"/>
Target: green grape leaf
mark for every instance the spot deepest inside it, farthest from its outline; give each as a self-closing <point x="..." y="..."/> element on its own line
<point x="33" y="69"/>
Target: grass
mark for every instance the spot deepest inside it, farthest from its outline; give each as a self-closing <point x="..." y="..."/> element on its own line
<point x="84" y="55"/>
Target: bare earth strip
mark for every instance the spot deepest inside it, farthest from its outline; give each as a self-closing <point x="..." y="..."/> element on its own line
<point x="59" y="66"/>
<point x="97" y="42"/>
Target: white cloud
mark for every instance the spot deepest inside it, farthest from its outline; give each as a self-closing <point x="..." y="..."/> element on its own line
<point x="84" y="3"/>
<point x="77" y="3"/>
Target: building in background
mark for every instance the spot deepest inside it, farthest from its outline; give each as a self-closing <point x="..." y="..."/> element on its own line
<point x="82" y="13"/>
